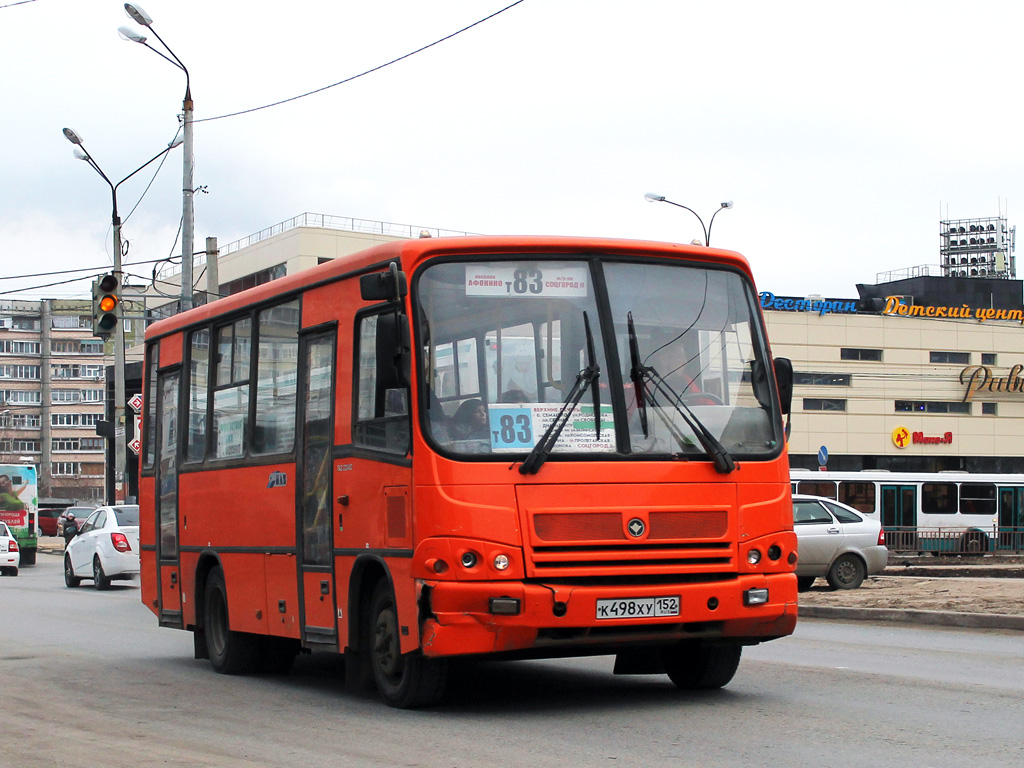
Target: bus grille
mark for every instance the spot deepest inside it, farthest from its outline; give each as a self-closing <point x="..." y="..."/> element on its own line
<point x="595" y="544"/>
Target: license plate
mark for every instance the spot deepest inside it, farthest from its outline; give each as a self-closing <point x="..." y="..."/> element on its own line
<point x="638" y="608"/>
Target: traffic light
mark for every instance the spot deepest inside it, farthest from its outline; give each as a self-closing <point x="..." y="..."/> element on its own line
<point x="105" y="301"/>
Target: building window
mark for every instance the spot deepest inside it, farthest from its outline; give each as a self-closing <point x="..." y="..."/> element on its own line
<point x="92" y="395"/>
<point x="927" y="406"/>
<point x="71" y="321"/>
<point x="849" y="353"/>
<point x="65" y="396"/>
<point x="64" y="469"/>
<point x="988" y="358"/>
<point x="19" y="396"/>
<point x="20" y="372"/>
<point x="989" y="409"/>
<point x="65" y="444"/>
<point x="9" y="347"/>
<point x="93" y="444"/>
<point x="824" y="404"/>
<point x="823" y="379"/>
<point x="958" y="358"/>
<point x="25" y="323"/>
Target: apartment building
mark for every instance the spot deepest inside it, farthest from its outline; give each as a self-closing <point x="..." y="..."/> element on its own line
<point x="52" y="395"/>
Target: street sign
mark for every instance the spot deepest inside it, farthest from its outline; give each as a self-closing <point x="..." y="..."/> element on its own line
<point x="135" y="402"/>
<point x="822" y="456"/>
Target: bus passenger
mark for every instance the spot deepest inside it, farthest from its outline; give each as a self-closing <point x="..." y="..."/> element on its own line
<point x="470" y="421"/>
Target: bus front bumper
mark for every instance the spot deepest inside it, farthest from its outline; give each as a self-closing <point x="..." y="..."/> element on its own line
<point x="507" y="617"/>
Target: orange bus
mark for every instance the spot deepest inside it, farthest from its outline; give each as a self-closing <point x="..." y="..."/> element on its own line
<point x="502" y="447"/>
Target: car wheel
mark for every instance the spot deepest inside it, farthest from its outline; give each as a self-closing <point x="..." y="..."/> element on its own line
<point x="847" y="572"/>
<point x="407" y="680"/>
<point x="70" y="580"/>
<point x="231" y="653"/>
<point x="693" y="666"/>
<point x="99" y="578"/>
<point x="804" y="583"/>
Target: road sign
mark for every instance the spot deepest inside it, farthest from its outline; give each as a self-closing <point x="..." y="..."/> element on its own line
<point x="822" y="456"/>
<point x="135" y="402"/>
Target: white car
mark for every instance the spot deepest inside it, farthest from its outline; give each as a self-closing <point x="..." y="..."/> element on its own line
<point x="105" y="548"/>
<point x="10" y="554"/>
<point x="836" y="542"/>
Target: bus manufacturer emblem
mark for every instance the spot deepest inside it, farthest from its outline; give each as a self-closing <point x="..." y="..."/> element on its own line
<point x="636" y="527"/>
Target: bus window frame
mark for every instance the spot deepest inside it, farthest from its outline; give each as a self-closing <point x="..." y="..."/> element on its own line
<point x="358" y="446"/>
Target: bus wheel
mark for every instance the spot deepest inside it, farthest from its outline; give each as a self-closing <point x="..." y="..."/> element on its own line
<point x="974" y="542"/>
<point x="803" y="583"/>
<point x="404" y="681"/>
<point x="693" y="666"/>
<point x="70" y="580"/>
<point x="28" y="556"/>
<point x="231" y="653"/>
<point x="847" y="572"/>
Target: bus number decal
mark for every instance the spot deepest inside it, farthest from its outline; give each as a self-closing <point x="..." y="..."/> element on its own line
<point x="527" y="280"/>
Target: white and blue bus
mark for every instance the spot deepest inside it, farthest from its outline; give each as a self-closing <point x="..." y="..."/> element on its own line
<point x="930" y="511"/>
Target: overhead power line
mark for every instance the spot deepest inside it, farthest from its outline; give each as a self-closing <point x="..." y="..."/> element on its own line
<point x="361" y="74"/>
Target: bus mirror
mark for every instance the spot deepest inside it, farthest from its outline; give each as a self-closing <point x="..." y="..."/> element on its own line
<point x="384" y="286"/>
<point x="784" y="380"/>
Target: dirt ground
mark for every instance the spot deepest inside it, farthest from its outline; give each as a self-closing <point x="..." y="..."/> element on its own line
<point x="946" y="593"/>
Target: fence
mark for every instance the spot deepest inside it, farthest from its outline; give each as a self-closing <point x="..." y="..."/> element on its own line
<point x="995" y="540"/>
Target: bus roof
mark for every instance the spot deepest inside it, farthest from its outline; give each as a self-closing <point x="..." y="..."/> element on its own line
<point x="411" y="252"/>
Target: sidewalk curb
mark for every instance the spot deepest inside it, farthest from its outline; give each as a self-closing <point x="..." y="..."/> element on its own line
<point x="935" y="618"/>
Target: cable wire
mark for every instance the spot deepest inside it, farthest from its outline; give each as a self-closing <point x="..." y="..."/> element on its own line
<point x="361" y="74"/>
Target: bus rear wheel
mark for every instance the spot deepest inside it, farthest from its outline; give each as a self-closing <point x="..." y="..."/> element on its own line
<point x="405" y="681"/>
<point x="231" y="653"/>
<point x="694" y="666"/>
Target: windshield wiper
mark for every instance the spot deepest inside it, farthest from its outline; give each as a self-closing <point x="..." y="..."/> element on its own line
<point x="636" y="373"/>
<point x="584" y="379"/>
<point x="642" y="375"/>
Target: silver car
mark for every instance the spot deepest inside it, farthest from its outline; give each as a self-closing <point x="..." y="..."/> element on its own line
<point x="836" y="542"/>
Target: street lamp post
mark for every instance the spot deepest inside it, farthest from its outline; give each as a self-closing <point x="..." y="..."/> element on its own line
<point x="120" y="450"/>
<point x="650" y="197"/>
<point x="139" y="16"/>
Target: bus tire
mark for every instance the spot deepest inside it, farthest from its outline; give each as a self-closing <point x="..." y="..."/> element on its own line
<point x="804" y="583"/>
<point x="974" y="542"/>
<point x="847" y="572"/>
<point x="70" y="580"/>
<point x="696" y="667"/>
<point x="231" y="653"/>
<point x="99" y="578"/>
<point x="28" y="556"/>
<point x="404" y="681"/>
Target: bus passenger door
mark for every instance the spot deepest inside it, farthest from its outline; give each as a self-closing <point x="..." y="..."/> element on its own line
<point x="316" y="440"/>
<point x="1011" y="518"/>
<point x="899" y="516"/>
<point x="167" y="550"/>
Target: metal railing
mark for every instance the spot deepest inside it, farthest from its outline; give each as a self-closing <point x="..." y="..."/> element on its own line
<point x="326" y="221"/>
<point x="998" y="539"/>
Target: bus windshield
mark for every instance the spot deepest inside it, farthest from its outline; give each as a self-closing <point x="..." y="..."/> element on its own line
<point x="677" y="347"/>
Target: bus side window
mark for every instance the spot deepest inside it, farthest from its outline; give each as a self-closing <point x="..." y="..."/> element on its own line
<point x="382" y="399"/>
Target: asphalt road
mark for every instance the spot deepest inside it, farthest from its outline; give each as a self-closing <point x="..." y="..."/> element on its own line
<point x="87" y="679"/>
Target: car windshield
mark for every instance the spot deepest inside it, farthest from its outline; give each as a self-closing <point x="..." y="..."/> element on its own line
<point x="126" y="515"/>
<point x="508" y="347"/>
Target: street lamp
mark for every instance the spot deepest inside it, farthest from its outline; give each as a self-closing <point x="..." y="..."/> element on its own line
<point x="120" y="453"/>
<point x="139" y="16"/>
<point x="650" y="197"/>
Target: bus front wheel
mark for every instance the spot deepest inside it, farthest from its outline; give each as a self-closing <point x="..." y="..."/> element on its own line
<point x="407" y="680"/>
<point x="693" y="666"/>
<point x="231" y="653"/>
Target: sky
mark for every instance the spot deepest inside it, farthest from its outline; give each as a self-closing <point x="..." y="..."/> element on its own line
<point x="843" y="133"/>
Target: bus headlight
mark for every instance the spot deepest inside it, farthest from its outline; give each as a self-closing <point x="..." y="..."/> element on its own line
<point x="501" y="562"/>
<point x="754" y="556"/>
